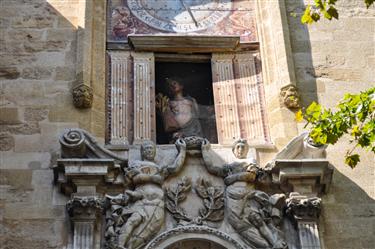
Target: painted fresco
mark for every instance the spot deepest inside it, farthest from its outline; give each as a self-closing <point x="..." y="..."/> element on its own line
<point x="193" y="17"/>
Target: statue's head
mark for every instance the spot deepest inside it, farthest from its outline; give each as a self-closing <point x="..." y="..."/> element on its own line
<point x="148" y="150"/>
<point x="290" y="97"/>
<point x="240" y="148"/>
<point x="175" y="86"/>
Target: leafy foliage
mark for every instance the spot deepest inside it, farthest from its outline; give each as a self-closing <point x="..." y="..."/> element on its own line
<point x="325" y="8"/>
<point x="355" y="116"/>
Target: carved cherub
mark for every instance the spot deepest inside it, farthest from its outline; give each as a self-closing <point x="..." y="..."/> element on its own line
<point x="243" y="169"/>
<point x="143" y="209"/>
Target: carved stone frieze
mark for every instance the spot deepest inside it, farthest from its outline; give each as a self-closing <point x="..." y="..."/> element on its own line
<point x="303" y="208"/>
<point x="290" y="97"/>
<point x="82" y="96"/>
<point x="213" y="200"/>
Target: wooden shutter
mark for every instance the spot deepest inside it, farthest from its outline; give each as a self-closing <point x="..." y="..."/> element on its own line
<point x="227" y="122"/>
<point x="120" y="90"/>
<point x="238" y="94"/>
<point x="144" y="96"/>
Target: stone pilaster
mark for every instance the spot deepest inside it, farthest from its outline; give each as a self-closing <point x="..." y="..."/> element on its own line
<point x="305" y="212"/>
<point x="83" y="212"/>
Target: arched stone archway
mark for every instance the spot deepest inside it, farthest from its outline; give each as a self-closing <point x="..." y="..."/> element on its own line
<point x="194" y="234"/>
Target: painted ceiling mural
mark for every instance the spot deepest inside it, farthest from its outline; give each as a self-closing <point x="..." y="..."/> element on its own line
<point x="193" y="17"/>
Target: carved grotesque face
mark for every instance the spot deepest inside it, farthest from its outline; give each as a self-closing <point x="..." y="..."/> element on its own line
<point x="290" y="96"/>
<point x="148" y="151"/>
<point x="240" y="149"/>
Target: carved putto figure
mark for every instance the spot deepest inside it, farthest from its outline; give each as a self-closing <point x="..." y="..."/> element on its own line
<point x="243" y="169"/>
<point x="138" y="215"/>
<point x="180" y="113"/>
<point x="259" y="221"/>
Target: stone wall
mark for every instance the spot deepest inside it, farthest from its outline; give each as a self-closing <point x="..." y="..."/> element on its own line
<point x="38" y="59"/>
<point x="37" y="70"/>
<point x="331" y="59"/>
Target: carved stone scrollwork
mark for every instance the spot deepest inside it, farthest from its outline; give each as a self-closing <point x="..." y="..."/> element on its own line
<point x="82" y="96"/>
<point x="213" y="199"/>
<point x="303" y="208"/>
<point x="290" y="97"/>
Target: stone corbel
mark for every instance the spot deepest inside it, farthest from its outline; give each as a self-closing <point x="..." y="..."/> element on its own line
<point x="82" y="96"/>
<point x="289" y="97"/>
<point x="83" y="212"/>
<point x="306" y="176"/>
<point x="305" y="213"/>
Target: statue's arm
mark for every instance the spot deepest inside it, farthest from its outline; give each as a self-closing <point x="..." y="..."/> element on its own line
<point x="207" y="158"/>
<point x="180" y="159"/>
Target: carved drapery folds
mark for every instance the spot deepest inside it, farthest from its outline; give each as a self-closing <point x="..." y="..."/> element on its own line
<point x="138" y="202"/>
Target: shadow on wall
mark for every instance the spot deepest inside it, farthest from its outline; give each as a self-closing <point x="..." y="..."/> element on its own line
<point x="38" y="47"/>
<point x="348" y="215"/>
<point x="301" y="51"/>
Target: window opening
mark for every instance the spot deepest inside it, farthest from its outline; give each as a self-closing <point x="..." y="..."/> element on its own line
<point x="184" y="101"/>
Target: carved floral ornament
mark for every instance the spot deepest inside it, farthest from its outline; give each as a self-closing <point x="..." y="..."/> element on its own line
<point x="135" y="218"/>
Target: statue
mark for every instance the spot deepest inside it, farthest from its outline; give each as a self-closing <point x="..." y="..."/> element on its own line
<point x="259" y="221"/>
<point x="243" y="169"/>
<point x="180" y="113"/>
<point x="138" y="215"/>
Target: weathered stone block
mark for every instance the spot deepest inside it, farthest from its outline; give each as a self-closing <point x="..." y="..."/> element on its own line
<point x="30" y="211"/>
<point x="26" y="128"/>
<point x="35" y="114"/>
<point x="6" y="142"/>
<point x="36" y="73"/>
<point x="28" y="143"/>
<point x="17" y="179"/>
<point x="65" y="73"/>
<point x="12" y="160"/>
<point x="9" y="73"/>
<point x="34" y="21"/>
<point x="10" y="115"/>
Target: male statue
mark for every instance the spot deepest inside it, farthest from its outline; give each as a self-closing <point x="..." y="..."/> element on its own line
<point x="180" y="113"/>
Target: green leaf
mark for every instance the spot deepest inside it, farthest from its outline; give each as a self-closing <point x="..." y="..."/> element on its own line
<point x="332" y="12"/>
<point x="352" y="160"/>
<point x="369" y="3"/>
<point x="306" y="18"/>
<point x="299" y="116"/>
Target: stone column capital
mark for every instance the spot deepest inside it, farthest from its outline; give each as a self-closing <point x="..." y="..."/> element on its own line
<point x="84" y="208"/>
<point x="303" y="208"/>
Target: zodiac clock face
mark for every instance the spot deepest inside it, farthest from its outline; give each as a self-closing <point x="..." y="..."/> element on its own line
<point x="180" y="16"/>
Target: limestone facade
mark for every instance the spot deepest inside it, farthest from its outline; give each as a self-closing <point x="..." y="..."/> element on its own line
<point x="48" y="47"/>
